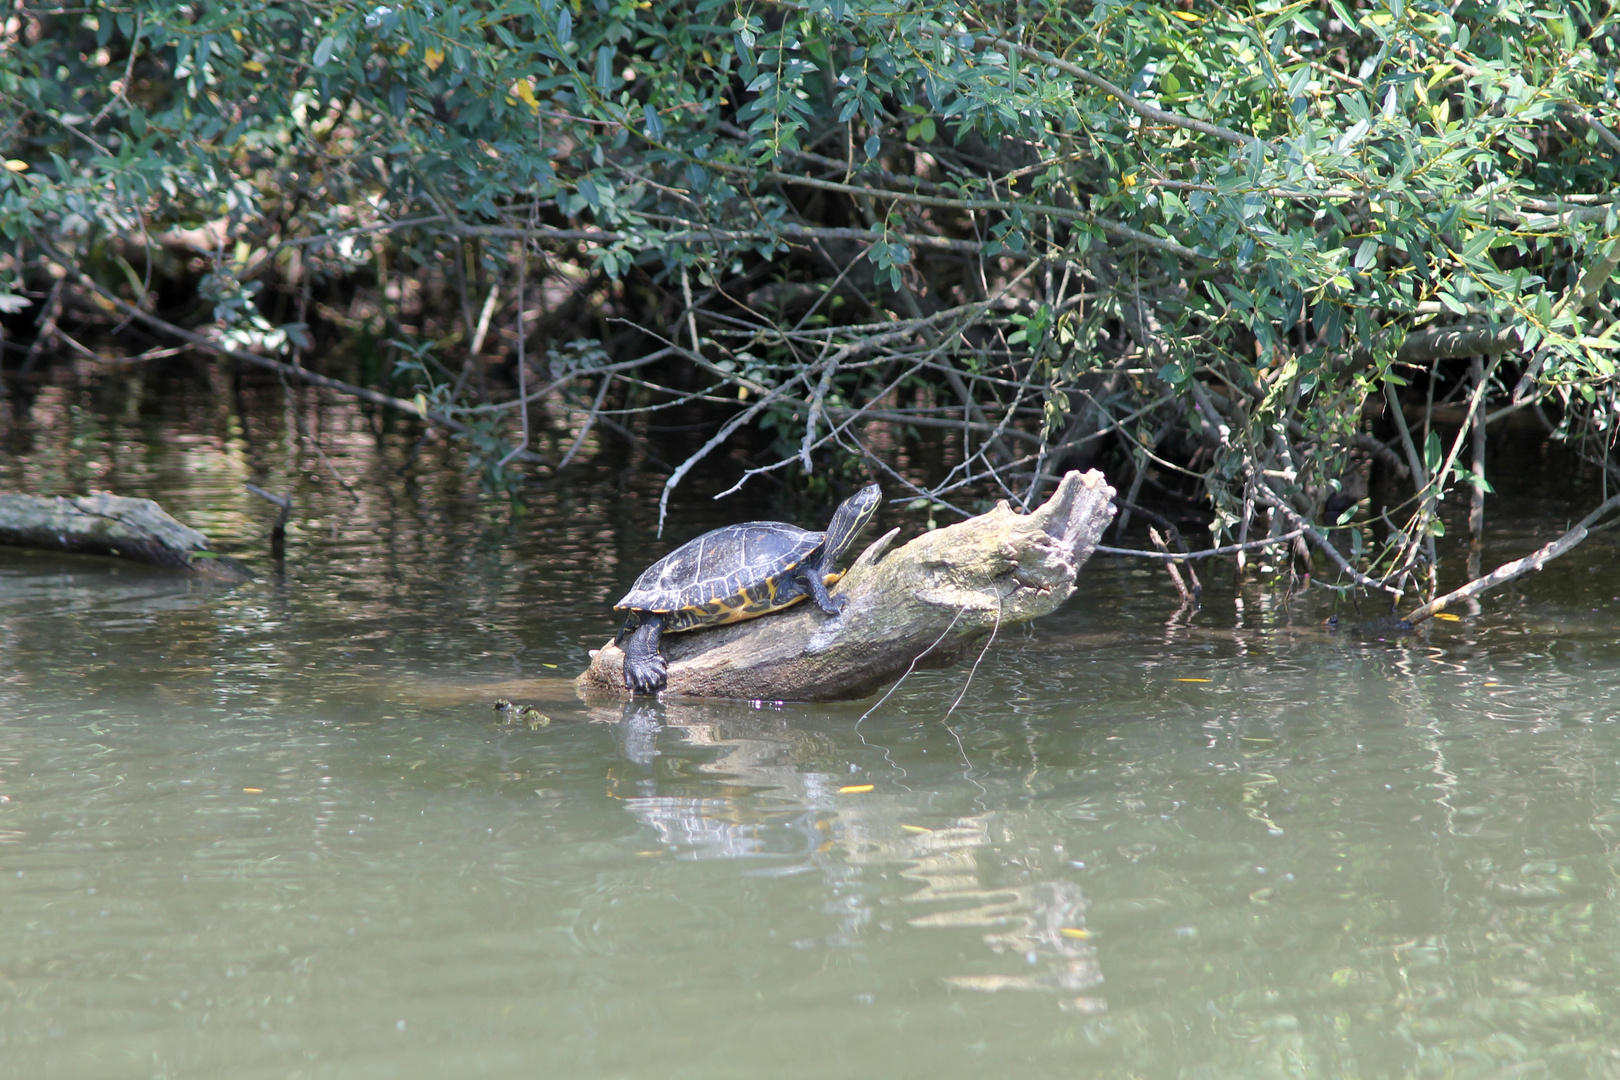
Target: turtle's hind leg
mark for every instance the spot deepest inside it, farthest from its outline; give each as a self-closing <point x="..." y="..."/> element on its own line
<point x="644" y="666"/>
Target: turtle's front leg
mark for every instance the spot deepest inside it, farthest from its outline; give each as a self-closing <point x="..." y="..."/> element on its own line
<point x="815" y="582"/>
<point x="644" y="666"/>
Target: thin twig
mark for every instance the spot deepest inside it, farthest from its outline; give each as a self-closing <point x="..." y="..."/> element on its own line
<point x="1266" y="495"/>
<point x="911" y="667"/>
<point x="1207" y="553"/>
<point x="585" y="428"/>
<point x="719" y="437"/>
<point x="484" y="317"/>
<point x="1170" y="565"/>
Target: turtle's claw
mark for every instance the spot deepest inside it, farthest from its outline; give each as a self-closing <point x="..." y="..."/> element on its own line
<point x="647" y="677"/>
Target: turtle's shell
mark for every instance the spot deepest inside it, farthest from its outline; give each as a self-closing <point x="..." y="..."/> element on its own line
<point x="726" y="575"/>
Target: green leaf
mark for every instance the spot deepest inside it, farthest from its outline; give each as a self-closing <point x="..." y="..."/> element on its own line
<point x="1467" y="476"/>
<point x="1432" y="452"/>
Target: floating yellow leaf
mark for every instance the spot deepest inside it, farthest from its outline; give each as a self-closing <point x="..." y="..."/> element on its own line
<point x="1195" y="680"/>
<point x="1075" y="932"/>
<point x="525" y="93"/>
<point x="1448" y="616"/>
<point x="548" y="665"/>
<point x="254" y="790"/>
<point x="252" y="65"/>
<point x="16" y="166"/>
<point x="914" y="828"/>
<point x="854" y="789"/>
<point x="433" y="58"/>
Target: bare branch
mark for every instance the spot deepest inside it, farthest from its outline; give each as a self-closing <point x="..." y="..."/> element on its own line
<point x="1449" y="342"/>
<point x="1518" y="567"/>
<point x="1207" y="553"/>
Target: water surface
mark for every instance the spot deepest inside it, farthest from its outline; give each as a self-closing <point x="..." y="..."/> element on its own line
<point x="278" y="830"/>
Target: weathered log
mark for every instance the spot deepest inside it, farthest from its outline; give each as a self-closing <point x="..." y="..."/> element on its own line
<point x="125" y="528"/>
<point x="922" y="605"/>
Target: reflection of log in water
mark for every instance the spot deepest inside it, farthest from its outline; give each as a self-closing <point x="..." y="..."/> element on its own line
<point x="1044" y="921"/>
<point x="761" y="795"/>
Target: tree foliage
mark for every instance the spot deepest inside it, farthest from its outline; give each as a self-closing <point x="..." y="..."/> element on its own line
<point x="1226" y="246"/>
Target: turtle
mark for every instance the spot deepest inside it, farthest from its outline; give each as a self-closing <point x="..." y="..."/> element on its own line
<point x="734" y="573"/>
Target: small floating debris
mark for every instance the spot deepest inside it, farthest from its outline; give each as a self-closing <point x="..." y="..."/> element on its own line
<point x="855" y="789"/>
<point x="521" y="714"/>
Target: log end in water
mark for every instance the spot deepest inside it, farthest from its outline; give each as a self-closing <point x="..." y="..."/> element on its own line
<point x="112" y="525"/>
<point x="925" y="604"/>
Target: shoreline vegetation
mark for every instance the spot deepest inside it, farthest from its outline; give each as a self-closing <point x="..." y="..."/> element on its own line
<point x="1285" y="272"/>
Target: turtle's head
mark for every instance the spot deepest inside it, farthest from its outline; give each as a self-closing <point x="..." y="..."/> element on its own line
<point x="852" y="515"/>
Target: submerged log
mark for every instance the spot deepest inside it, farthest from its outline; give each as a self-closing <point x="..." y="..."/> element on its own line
<point x="136" y="529"/>
<point x="922" y="605"/>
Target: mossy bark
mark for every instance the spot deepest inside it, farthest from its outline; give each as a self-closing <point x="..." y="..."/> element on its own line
<point x="112" y="525"/>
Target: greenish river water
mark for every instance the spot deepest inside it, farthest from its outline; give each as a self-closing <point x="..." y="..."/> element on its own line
<point x="278" y="831"/>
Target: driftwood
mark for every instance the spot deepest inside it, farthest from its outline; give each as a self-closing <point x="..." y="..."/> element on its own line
<point x="136" y="529"/>
<point x="923" y="605"/>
